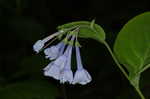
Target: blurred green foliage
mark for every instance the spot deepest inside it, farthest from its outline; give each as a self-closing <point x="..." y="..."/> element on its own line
<point x="29" y="90"/>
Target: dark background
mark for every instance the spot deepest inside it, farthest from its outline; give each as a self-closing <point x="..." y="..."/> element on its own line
<point x="23" y="22"/>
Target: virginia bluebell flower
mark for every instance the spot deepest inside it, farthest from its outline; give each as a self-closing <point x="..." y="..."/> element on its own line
<point x="54" y="51"/>
<point x="81" y="76"/>
<point x="53" y="69"/>
<point x="56" y="69"/>
<point x="66" y="74"/>
<point x="40" y="43"/>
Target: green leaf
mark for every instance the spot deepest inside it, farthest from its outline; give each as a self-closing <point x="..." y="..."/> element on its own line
<point x="29" y="90"/>
<point x="86" y="29"/>
<point x="132" y="46"/>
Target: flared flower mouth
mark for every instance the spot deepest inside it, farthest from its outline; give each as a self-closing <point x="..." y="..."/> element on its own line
<point x="55" y="51"/>
<point x="60" y="55"/>
<point x="81" y="75"/>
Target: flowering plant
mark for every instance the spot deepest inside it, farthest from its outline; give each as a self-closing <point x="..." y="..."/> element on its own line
<point x="60" y="55"/>
<point x="131" y="49"/>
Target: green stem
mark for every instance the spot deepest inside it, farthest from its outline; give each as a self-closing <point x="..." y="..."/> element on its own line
<point x="116" y="61"/>
<point x="140" y="93"/>
<point x="122" y="69"/>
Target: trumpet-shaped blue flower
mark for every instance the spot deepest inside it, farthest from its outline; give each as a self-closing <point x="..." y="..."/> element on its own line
<point x="53" y="69"/>
<point x="66" y="74"/>
<point x="40" y="43"/>
<point x="54" y="51"/>
<point x="56" y="69"/>
<point x="81" y="75"/>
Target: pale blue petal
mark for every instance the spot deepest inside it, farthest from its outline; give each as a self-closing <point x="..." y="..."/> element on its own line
<point x="66" y="76"/>
<point x="82" y="77"/>
<point x="54" y="68"/>
<point x="54" y="51"/>
<point x="38" y="46"/>
<point x="52" y="71"/>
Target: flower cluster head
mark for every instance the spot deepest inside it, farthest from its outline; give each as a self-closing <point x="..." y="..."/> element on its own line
<point x="60" y="55"/>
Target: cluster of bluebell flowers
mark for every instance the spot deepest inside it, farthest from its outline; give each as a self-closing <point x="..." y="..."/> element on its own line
<point x="60" y="55"/>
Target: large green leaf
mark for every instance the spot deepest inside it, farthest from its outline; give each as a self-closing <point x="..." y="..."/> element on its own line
<point x="132" y="46"/>
<point x="87" y="29"/>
